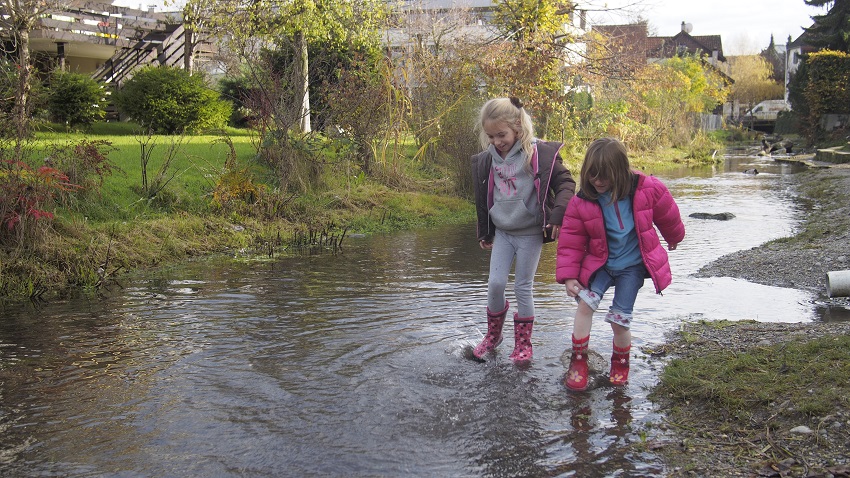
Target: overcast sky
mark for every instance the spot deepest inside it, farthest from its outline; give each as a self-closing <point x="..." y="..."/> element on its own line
<point x="745" y="26"/>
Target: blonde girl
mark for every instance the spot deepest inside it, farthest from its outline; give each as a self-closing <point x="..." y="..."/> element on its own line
<point x="521" y="191"/>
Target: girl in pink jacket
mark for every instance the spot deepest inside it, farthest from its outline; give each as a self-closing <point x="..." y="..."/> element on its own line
<point x="608" y="239"/>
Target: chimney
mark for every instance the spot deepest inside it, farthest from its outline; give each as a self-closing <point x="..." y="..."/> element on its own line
<point x="683" y="26"/>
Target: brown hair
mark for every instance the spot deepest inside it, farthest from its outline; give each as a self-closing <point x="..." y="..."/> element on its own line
<point x="606" y="158"/>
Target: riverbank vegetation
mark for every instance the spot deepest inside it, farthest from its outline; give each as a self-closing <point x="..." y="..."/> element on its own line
<point x="329" y="135"/>
<point x="752" y="398"/>
<point x="86" y="207"/>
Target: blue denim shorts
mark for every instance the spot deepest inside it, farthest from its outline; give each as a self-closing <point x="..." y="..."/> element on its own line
<point x="626" y="282"/>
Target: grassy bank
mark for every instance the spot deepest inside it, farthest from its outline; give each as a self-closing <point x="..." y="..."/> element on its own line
<point x="161" y="203"/>
<point x="756" y="399"/>
<point x="157" y="205"/>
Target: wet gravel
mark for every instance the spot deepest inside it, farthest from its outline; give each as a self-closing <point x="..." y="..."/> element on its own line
<point x="803" y="261"/>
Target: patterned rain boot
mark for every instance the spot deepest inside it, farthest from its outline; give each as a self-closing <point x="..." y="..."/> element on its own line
<point x="495" y="321"/>
<point x="577" y="374"/>
<point x="522" y="336"/>
<point x="620" y="365"/>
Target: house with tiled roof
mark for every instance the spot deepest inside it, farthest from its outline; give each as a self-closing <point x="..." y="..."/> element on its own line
<point x="627" y="47"/>
<point x="709" y="47"/>
<point x="632" y="43"/>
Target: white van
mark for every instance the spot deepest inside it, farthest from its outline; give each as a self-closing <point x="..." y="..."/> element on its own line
<point x="768" y="110"/>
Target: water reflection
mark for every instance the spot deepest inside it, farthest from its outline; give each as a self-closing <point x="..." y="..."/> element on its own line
<point x="353" y="364"/>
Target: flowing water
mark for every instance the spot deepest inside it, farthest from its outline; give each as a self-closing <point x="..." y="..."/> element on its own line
<point x="354" y="364"/>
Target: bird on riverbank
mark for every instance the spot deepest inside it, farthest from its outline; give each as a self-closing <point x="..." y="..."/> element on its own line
<point x="769" y="148"/>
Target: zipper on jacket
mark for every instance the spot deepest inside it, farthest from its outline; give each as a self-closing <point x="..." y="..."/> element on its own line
<point x="619" y="219"/>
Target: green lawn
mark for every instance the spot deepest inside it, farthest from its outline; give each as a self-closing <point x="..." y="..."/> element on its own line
<point x="195" y="164"/>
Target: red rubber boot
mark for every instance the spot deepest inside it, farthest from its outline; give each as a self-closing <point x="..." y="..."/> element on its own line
<point x="495" y="321"/>
<point x="522" y="337"/>
<point x="577" y="374"/>
<point x="620" y="365"/>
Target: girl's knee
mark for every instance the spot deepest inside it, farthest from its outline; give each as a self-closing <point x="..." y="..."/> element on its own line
<point x="496" y="285"/>
<point x="583" y="308"/>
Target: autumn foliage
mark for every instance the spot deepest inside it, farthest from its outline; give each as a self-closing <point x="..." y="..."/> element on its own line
<point x="28" y="196"/>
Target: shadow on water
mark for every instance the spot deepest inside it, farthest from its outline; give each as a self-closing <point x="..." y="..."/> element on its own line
<point x="354" y="364"/>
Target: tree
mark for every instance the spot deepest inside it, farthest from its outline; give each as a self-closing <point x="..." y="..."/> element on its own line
<point x="753" y="76"/>
<point x="656" y="104"/>
<point x="831" y="30"/>
<point x="530" y="57"/>
<point x="705" y="88"/>
<point x="295" y="24"/>
<point x="21" y="17"/>
<point x="437" y="67"/>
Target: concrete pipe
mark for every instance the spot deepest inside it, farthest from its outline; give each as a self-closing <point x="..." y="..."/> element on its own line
<point x="838" y="284"/>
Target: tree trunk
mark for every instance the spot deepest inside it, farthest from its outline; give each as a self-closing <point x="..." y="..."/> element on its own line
<point x="188" y="50"/>
<point x="22" y="94"/>
<point x="304" y="78"/>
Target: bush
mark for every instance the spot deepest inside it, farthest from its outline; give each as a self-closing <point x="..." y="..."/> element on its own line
<point x="75" y="99"/>
<point x="170" y="100"/>
<point x="28" y="196"/>
<point x="827" y="90"/>
<point x="85" y="163"/>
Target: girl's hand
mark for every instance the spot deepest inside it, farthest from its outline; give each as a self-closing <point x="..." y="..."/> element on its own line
<point x="573" y="287"/>
<point x="485" y="245"/>
<point x="556" y="230"/>
<point x="671" y="247"/>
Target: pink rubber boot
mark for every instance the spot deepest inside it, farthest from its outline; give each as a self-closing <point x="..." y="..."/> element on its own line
<point x="522" y="336"/>
<point x="577" y="374"/>
<point x="620" y="365"/>
<point x="495" y="321"/>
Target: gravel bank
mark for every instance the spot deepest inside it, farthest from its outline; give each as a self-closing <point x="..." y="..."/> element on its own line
<point x="822" y="244"/>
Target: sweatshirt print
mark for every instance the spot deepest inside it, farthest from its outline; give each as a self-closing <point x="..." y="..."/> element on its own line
<point x="515" y="206"/>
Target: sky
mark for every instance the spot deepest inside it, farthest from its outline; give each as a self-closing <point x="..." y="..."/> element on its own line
<point x="745" y="26"/>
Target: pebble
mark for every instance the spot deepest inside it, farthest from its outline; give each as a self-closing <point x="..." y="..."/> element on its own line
<point x="802" y="430"/>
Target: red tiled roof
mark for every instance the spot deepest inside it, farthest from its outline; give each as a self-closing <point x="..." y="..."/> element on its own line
<point x="634" y="38"/>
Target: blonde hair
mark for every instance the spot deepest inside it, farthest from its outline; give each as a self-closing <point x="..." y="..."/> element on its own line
<point x="511" y="112"/>
<point x="606" y="158"/>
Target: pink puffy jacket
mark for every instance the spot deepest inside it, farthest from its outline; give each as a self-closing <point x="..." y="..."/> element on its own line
<point x="583" y="246"/>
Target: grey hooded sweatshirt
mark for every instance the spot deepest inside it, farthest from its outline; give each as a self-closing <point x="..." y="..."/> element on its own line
<point x="516" y="209"/>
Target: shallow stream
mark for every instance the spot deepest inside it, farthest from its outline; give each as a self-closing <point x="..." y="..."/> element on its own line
<point x="353" y="364"/>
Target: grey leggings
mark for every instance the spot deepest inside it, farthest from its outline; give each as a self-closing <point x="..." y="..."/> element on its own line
<point x="526" y="250"/>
